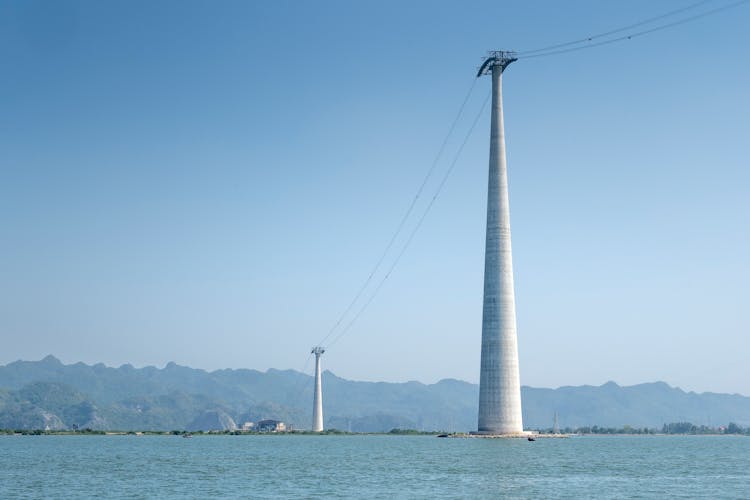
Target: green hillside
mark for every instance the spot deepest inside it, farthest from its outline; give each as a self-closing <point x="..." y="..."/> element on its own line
<point x="48" y="394"/>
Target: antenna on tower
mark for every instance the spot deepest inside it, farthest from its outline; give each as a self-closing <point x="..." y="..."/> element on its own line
<point x="317" y="425"/>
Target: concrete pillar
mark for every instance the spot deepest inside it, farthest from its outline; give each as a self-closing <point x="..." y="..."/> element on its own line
<point x="317" y="425"/>
<point x="499" y="382"/>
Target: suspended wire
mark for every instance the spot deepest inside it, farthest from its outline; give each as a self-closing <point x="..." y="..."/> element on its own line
<point x="529" y="54"/>
<point x="416" y="227"/>
<point x="405" y="217"/>
<point x="302" y="384"/>
<point x="618" y="30"/>
<point x="641" y="33"/>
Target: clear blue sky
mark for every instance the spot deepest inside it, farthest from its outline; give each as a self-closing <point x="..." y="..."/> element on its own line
<point x="211" y="182"/>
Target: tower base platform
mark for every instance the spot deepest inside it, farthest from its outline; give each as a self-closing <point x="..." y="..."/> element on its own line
<point x="517" y="435"/>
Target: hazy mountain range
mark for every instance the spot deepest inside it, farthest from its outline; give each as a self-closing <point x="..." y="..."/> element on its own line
<point x="48" y="394"/>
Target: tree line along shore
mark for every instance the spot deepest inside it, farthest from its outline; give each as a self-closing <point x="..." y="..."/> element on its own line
<point x="673" y="428"/>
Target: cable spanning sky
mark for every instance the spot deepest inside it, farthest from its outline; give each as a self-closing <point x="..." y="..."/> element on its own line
<point x="211" y="184"/>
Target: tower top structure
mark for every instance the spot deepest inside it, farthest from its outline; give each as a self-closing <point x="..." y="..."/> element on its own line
<point x="317" y="350"/>
<point x="496" y="58"/>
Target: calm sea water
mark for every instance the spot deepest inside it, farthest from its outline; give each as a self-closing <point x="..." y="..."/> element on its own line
<point x="278" y="466"/>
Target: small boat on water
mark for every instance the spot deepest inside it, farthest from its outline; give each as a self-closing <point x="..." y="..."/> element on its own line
<point x="531" y="438"/>
<point x="187" y="435"/>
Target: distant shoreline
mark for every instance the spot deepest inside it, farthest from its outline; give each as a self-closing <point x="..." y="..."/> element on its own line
<point x="39" y="432"/>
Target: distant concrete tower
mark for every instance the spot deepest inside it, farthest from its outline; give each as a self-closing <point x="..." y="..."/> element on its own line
<point x="499" y="381"/>
<point x="317" y="425"/>
<point x="555" y="425"/>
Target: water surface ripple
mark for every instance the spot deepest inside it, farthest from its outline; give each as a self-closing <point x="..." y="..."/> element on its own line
<point x="293" y="466"/>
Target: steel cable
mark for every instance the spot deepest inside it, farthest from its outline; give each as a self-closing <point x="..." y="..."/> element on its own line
<point x="416" y="227"/>
<point x="640" y="33"/>
<point x="405" y="217"/>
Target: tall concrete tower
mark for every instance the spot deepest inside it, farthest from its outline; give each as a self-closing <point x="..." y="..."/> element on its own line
<point x="317" y="425"/>
<point x="499" y="381"/>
